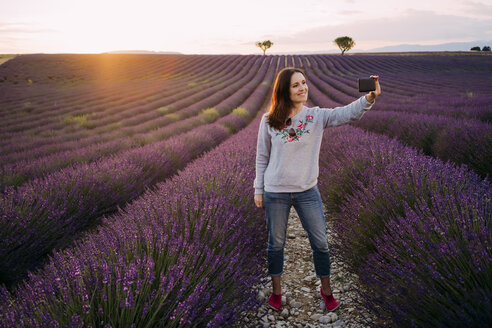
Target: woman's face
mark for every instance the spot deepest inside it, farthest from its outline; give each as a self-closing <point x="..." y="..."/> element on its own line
<point x="298" y="88"/>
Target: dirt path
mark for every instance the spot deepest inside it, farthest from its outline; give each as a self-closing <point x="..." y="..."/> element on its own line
<point x="303" y="305"/>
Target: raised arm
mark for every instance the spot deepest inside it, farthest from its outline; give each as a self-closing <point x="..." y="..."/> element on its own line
<point x="351" y="112"/>
<point x="345" y="114"/>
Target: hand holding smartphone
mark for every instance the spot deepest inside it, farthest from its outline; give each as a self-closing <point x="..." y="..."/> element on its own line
<point x="366" y="84"/>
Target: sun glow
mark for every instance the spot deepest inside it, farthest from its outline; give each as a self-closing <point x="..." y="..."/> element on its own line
<point x="214" y="26"/>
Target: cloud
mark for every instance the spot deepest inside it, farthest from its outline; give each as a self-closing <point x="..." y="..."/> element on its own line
<point x="20" y="37"/>
<point x="478" y="8"/>
<point x="349" y="12"/>
<point x="411" y="26"/>
<point x="22" y="27"/>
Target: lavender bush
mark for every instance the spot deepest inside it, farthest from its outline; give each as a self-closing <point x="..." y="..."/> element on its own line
<point x="428" y="84"/>
<point x="186" y="254"/>
<point x="421" y="227"/>
<point x="17" y="173"/>
<point x="114" y="116"/>
<point x="50" y="212"/>
<point x="462" y="141"/>
<point x="416" y="230"/>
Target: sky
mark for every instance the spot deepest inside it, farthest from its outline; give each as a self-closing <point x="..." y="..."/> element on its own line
<point x="229" y="26"/>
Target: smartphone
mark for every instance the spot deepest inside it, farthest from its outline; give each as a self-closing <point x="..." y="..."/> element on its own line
<point x="366" y="84"/>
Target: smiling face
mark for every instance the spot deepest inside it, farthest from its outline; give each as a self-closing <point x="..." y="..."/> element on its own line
<point x="298" y="89"/>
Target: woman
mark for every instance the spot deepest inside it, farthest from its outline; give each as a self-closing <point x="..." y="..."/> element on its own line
<point x="287" y="160"/>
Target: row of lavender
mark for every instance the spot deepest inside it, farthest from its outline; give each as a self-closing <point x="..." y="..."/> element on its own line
<point x="413" y="68"/>
<point x="104" y="111"/>
<point x="187" y="254"/>
<point x="163" y="93"/>
<point x="155" y="94"/>
<point x="315" y="60"/>
<point x="416" y="230"/>
<point x="135" y="121"/>
<point x="463" y="141"/>
<point x="147" y="132"/>
<point x="433" y="85"/>
<point x="49" y="213"/>
<point x="49" y="158"/>
<point x="75" y="141"/>
<point x="124" y="128"/>
<point x="55" y="96"/>
<point x="440" y="93"/>
<point x="31" y="60"/>
<point x="116" y="112"/>
<point x="150" y="122"/>
<point x="466" y="142"/>
<point x="79" y="71"/>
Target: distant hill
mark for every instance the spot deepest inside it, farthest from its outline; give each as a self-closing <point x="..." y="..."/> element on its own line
<point x="142" y="52"/>
<point x="452" y="46"/>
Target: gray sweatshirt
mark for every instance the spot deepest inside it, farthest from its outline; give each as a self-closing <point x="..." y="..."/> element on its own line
<point x="291" y="164"/>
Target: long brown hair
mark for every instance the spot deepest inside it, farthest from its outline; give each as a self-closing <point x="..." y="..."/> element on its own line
<point x="281" y="104"/>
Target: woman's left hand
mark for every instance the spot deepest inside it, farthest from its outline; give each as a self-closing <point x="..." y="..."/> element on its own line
<point x="259" y="200"/>
<point x="371" y="96"/>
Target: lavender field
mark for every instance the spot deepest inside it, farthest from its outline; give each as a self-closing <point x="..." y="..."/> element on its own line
<point x="126" y="193"/>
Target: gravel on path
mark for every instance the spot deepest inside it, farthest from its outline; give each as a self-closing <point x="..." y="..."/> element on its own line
<point x="302" y="305"/>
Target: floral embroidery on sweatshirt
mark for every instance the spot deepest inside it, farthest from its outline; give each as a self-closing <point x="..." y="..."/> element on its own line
<point x="300" y="129"/>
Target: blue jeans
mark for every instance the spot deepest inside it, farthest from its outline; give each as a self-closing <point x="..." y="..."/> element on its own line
<point x="309" y="207"/>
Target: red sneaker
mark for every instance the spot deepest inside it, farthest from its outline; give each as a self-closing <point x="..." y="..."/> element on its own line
<point x="275" y="301"/>
<point x="330" y="302"/>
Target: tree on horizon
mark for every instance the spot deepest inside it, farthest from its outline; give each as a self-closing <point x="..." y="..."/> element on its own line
<point x="264" y="45"/>
<point x="345" y="43"/>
